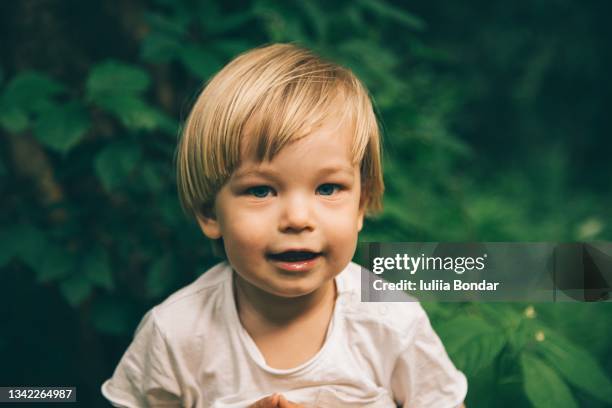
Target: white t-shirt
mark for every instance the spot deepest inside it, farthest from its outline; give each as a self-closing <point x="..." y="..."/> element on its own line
<point x="192" y="351"/>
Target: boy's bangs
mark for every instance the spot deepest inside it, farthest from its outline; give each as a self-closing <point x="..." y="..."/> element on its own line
<point x="295" y="109"/>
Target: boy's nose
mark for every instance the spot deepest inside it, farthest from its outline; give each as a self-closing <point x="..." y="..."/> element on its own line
<point x="296" y="215"/>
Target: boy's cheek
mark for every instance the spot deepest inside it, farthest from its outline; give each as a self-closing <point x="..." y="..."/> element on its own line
<point x="246" y="223"/>
<point x="342" y="234"/>
<point x="360" y="220"/>
<point x="245" y="232"/>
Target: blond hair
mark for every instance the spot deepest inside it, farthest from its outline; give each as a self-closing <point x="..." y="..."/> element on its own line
<point x="282" y="91"/>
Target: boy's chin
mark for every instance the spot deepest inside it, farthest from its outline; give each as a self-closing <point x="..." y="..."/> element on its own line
<point x="293" y="292"/>
<point x="287" y="285"/>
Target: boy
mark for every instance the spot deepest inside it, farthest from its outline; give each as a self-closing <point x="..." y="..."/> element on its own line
<point x="278" y="162"/>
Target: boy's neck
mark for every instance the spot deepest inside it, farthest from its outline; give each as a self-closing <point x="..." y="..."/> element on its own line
<point x="254" y="304"/>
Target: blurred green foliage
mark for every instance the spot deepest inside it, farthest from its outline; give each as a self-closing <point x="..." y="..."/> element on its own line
<point x="496" y="127"/>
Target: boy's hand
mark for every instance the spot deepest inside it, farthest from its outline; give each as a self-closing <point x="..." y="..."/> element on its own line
<point x="271" y="401"/>
<point x="283" y="403"/>
<point x="275" y="401"/>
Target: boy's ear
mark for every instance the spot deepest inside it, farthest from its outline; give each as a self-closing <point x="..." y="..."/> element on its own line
<point x="209" y="225"/>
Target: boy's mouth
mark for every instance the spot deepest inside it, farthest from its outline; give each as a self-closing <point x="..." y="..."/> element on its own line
<point x="294" y="256"/>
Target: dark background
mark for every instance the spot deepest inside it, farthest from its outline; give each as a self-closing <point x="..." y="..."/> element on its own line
<point x="497" y="127"/>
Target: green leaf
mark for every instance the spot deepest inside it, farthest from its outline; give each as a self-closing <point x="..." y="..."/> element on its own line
<point x="55" y="263"/>
<point x="152" y="178"/>
<point x="115" y="163"/>
<point x="115" y="87"/>
<point x="13" y="119"/>
<point x="200" y="61"/>
<point x="160" y="277"/>
<point x="391" y="12"/>
<point x="133" y="112"/>
<point x="96" y="267"/>
<point x="115" y="78"/>
<point x="317" y="17"/>
<point x="159" y="48"/>
<point x="280" y="21"/>
<point x="471" y="342"/>
<point x="76" y="288"/>
<point x="230" y="47"/>
<point x="576" y="365"/>
<point x="29" y="88"/>
<point x="217" y="24"/>
<point x="505" y="315"/>
<point x="367" y="57"/>
<point x="28" y="92"/>
<point x="543" y="386"/>
<point x="28" y="243"/>
<point x="175" y="26"/>
<point x="62" y="127"/>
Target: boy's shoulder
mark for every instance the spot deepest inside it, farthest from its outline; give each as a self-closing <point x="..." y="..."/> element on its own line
<point x="396" y="318"/>
<point x="190" y="309"/>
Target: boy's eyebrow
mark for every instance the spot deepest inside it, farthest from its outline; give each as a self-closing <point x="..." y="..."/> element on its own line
<point x="324" y="171"/>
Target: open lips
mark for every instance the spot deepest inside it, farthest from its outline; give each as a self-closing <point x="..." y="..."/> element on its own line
<point x="294" y="256"/>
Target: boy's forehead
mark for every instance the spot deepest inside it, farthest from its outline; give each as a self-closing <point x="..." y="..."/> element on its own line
<point x="325" y="150"/>
<point x="333" y="149"/>
<point x="260" y="144"/>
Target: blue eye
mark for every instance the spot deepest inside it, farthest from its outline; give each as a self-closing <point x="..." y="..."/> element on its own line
<point x="328" y="189"/>
<point x="259" y="191"/>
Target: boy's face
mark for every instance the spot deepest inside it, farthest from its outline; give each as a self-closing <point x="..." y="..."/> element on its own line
<point x="291" y="224"/>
